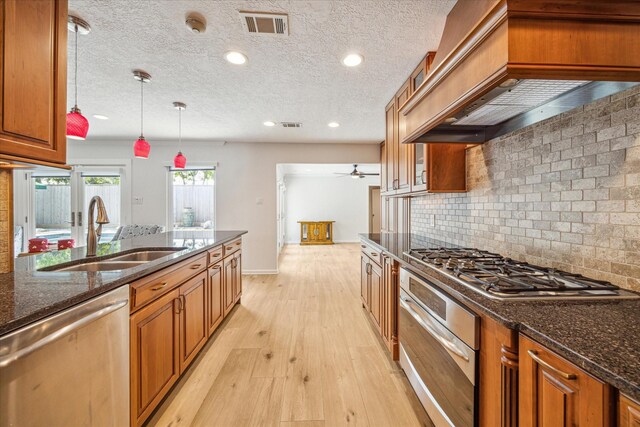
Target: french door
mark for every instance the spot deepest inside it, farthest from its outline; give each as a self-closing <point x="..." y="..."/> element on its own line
<point x="59" y="201"/>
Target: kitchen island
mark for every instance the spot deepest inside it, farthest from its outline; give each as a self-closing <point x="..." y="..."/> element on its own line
<point x="599" y="336"/>
<point x="29" y="294"/>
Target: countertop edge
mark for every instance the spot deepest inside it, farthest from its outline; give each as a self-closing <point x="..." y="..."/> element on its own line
<point x="16" y="324"/>
<point x="592" y="368"/>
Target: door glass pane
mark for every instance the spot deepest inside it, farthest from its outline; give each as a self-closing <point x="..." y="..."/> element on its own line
<point x="108" y="187"/>
<point x="193" y="199"/>
<point x="419" y="166"/>
<point x="52" y="205"/>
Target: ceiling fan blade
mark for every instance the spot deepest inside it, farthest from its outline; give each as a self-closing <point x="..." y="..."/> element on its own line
<point x="376" y="174"/>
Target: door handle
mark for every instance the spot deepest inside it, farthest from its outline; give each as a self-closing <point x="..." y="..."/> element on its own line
<point x="80" y="219"/>
<point x="97" y="314"/>
<point x="534" y="355"/>
<point x="426" y="324"/>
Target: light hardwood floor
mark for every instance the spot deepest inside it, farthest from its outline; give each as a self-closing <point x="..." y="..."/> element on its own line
<point x="298" y="352"/>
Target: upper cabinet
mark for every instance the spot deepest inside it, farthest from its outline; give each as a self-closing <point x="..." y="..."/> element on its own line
<point x="418" y="167"/>
<point x="33" y="81"/>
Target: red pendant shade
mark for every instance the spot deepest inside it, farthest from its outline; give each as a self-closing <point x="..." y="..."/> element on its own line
<point x="179" y="161"/>
<point x="141" y="148"/>
<point x="77" y="125"/>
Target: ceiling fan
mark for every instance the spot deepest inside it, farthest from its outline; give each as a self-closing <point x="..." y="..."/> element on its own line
<point x="355" y="174"/>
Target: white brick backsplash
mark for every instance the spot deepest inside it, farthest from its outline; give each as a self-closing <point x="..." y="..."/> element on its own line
<point x="564" y="193"/>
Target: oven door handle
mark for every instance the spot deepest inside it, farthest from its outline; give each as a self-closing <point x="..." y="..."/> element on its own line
<point x="427" y="324"/>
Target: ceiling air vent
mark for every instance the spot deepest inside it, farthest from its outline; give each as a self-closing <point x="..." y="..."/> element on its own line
<point x="291" y="125"/>
<point x="265" y="23"/>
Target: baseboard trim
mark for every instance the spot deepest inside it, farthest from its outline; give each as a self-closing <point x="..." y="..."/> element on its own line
<point x="260" y="271"/>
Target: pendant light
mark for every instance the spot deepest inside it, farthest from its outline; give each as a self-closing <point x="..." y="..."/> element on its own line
<point x="77" y="124"/>
<point x="141" y="147"/>
<point x="179" y="161"/>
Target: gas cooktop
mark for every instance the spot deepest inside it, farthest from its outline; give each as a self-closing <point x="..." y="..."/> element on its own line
<point x="503" y="278"/>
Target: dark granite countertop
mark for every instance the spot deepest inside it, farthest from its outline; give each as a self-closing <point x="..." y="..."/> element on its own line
<point x="27" y="294"/>
<point x="602" y="337"/>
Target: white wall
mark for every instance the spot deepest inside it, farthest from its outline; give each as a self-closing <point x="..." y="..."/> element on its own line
<point x="245" y="186"/>
<point x="327" y="198"/>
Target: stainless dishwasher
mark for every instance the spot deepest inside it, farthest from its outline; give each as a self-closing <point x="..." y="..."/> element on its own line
<point x="438" y="351"/>
<point x="70" y="369"/>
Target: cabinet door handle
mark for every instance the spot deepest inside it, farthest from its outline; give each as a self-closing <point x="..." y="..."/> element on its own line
<point x="534" y="355"/>
<point x="423" y="176"/>
<point x="195" y="266"/>
<point x="160" y="286"/>
<point x="183" y="302"/>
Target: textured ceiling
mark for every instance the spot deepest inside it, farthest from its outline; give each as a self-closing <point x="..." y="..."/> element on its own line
<point x="296" y="78"/>
<point x="326" y="168"/>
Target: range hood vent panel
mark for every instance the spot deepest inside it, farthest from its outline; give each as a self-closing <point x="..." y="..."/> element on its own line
<point x="526" y="95"/>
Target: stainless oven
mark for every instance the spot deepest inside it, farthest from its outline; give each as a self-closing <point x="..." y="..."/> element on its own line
<point x="438" y="350"/>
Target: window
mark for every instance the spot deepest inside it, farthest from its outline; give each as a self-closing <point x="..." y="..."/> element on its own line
<point x="192" y="199"/>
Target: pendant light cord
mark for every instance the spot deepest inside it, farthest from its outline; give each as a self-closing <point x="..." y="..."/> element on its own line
<point x="180" y="129"/>
<point x="75" y="79"/>
<point x="141" y="106"/>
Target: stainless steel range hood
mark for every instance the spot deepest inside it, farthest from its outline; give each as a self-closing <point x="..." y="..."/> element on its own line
<point x="505" y="64"/>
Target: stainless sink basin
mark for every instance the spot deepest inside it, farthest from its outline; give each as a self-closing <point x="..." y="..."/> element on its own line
<point x="120" y="262"/>
<point x="143" y="255"/>
<point x="107" y="265"/>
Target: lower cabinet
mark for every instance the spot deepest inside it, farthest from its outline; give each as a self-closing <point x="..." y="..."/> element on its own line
<point x="193" y="318"/>
<point x="555" y="392"/>
<point x="175" y="311"/>
<point x="628" y="412"/>
<point x="378" y="293"/>
<point x="155" y="359"/>
<point x="215" y="297"/>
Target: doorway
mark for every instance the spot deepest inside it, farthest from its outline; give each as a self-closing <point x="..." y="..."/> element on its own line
<point x="374" y="209"/>
<point x="55" y="204"/>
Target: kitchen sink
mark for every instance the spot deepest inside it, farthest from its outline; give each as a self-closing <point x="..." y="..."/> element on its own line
<point x="107" y="265"/>
<point x="120" y="262"/>
<point x="144" y="256"/>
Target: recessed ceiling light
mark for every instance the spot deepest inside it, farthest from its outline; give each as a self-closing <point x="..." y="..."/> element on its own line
<point x="353" y="60"/>
<point x="100" y="117"/>
<point x="235" y="57"/>
<point x="333" y="124"/>
<point x="269" y="123"/>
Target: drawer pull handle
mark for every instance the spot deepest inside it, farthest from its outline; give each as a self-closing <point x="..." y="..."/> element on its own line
<point x="238" y="243"/>
<point x="229" y="248"/>
<point x="157" y="288"/>
<point x="363" y="246"/>
<point x="539" y="361"/>
<point x="217" y="254"/>
<point x="195" y="266"/>
<point x="374" y="254"/>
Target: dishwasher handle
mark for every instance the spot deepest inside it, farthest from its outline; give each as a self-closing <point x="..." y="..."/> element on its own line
<point x="91" y="317"/>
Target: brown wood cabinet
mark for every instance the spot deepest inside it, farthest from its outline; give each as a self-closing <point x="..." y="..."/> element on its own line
<point x="439" y="168"/>
<point x="174" y="311"/>
<point x="628" y="412"/>
<point x="419" y="75"/>
<point x="193" y="318"/>
<point x="155" y="355"/>
<point x="215" y="297"/>
<point x="555" y="392"/>
<point x="378" y="291"/>
<point x="316" y="232"/>
<point x="33" y="81"/>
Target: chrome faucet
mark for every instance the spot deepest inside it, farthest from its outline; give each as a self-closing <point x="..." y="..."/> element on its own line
<point x="93" y="235"/>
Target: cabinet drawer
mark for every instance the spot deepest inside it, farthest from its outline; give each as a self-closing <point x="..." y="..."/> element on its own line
<point x="371" y="252"/>
<point x="215" y="254"/>
<point x="153" y="286"/>
<point x="232" y="247"/>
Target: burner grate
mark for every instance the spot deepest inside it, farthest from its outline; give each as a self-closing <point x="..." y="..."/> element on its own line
<point x="499" y="275"/>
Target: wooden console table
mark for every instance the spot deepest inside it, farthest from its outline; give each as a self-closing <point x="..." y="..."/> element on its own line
<point x="316" y="232"/>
